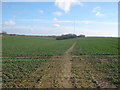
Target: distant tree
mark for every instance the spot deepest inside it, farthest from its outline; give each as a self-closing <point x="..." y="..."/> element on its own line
<point x="67" y="36"/>
<point x="4" y="33"/>
<point x="81" y="35"/>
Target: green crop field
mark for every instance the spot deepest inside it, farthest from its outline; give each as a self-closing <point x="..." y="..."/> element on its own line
<point x="16" y="69"/>
<point x="96" y="46"/>
<point x="108" y="65"/>
<point x="23" y="56"/>
<point x="33" y="46"/>
<point x="37" y="46"/>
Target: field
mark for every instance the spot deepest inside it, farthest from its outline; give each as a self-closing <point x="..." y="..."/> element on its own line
<point x="33" y="46"/>
<point x="96" y="46"/>
<point x="42" y="62"/>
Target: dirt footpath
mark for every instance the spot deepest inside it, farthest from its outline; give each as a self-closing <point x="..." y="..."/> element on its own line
<point x="60" y="73"/>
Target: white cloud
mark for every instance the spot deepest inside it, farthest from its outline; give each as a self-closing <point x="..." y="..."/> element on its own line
<point x="0" y="23"/>
<point x="55" y="19"/>
<point x="70" y="21"/>
<point x="85" y="22"/>
<point x="41" y="11"/>
<point x="56" y="25"/>
<point x="96" y="9"/>
<point x="65" y="21"/>
<point x="66" y="4"/>
<point x="97" y="12"/>
<point x="9" y="23"/>
<point x="50" y="30"/>
<point x="58" y="13"/>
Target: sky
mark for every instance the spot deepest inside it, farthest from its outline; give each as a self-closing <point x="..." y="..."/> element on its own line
<point x="57" y="18"/>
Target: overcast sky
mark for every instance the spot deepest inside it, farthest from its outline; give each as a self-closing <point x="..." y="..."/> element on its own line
<point x="56" y="18"/>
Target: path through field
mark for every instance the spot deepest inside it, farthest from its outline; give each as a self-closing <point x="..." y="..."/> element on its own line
<point x="60" y="73"/>
<point x="67" y="71"/>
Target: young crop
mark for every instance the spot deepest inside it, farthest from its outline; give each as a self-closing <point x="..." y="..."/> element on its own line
<point x="16" y="69"/>
<point x="96" y="46"/>
<point x="34" y="46"/>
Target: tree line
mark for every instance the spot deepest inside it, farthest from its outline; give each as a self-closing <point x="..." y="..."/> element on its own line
<point x="68" y="36"/>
